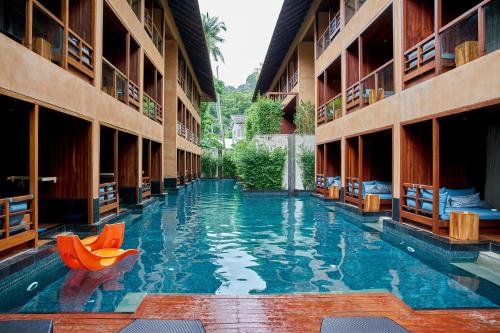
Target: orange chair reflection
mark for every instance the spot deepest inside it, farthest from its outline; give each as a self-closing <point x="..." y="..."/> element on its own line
<point x="75" y="255"/>
<point x="111" y="237"/>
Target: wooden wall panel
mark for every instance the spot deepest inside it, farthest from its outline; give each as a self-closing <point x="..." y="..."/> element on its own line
<point x="128" y="165"/>
<point x="333" y="159"/>
<point x="155" y="161"/>
<point x="416" y="154"/>
<point x="64" y="153"/>
<point x="352" y="157"/>
<point x="418" y="21"/>
<point x="377" y="156"/>
<point x="107" y="150"/>
<point x="14" y="146"/>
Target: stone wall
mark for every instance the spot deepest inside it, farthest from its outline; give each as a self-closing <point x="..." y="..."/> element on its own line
<point x="295" y="144"/>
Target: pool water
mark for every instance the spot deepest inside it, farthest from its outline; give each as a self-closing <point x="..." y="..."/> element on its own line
<point x="212" y="238"/>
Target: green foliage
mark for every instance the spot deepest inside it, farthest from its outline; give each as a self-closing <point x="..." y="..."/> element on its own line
<point x="263" y="117"/>
<point x="304" y="118"/>
<point x="213" y="28"/>
<point x="258" y="167"/>
<point x="208" y="165"/>
<point x="229" y="167"/>
<point x="307" y="164"/>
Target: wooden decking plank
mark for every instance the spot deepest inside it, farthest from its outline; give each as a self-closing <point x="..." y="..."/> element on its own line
<point x="275" y="313"/>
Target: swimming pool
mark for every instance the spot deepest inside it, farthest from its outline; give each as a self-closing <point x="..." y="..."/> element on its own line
<point x="212" y="238"/>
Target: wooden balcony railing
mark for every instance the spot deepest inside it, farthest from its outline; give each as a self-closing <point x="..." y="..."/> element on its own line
<point x="420" y="59"/>
<point x="152" y="108"/>
<point x="114" y="82"/>
<point x="374" y="87"/>
<point x="320" y="183"/>
<point x="148" y="22"/>
<point x="7" y="215"/>
<point x="413" y="204"/>
<point x="146" y="188"/>
<point x="330" y="110"/>
<point x="80" y="54"/>
<point x="293" y="80"/>
<point x="108" y="197"/>
<point x="133" y="94"/>
<point x="329" y="35"/>
<point x="462" y="40"/>
<point x="352" y="190"/>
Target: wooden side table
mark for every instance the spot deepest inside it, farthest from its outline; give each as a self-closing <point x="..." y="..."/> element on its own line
<point x="333" y="192"/>
<point x="464" y="225"/>
<point x="372" y="203"/>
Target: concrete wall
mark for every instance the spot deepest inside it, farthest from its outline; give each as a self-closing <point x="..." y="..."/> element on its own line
<point x="295" y="144"/>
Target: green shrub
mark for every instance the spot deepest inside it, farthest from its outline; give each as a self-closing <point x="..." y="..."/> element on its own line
<point x="229" y="167"/>
<point x="208" y="165"/>
<point x="307" y="165"/>
<point x="263" y="117"/>
<point x="304" y="118"/>
<point x="258" y="167"/>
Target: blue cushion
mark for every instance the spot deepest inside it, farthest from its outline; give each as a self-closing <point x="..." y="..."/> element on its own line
<point x="101" y="190"/>
<point x="329" y="181"/>
<point x="383" y="187"/>
<point x="464" y="201"/>
<point x="370" y="189"/>
<point x="17" y="207"/>
<point x="460" y="192"/>
<point x="484" y="214"/>
<point x="443" y="198"/>
<point x="18" y="228"/>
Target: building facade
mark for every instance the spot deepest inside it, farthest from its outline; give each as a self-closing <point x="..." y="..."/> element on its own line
<point x="407" y="95"/>
<point x="99" y="108"/>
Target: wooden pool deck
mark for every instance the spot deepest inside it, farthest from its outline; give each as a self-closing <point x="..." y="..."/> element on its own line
<point x="276" y="313"/>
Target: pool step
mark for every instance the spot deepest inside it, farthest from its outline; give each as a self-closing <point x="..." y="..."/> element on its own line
<point x="130" y="302"/>
<point x="487" y="266"/>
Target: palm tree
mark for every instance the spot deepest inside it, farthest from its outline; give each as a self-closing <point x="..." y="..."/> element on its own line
<point x="213" y="28"/>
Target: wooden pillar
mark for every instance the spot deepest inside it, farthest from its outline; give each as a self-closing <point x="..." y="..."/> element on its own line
<point x="435" y="176"/>
<point x="33" y="167"/>
<point x="360" y="172"/>
<point x="115" y="168"/>
<point x="437" y="24"/>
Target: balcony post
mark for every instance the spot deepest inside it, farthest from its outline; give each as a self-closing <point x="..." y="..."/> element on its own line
<point x="481" y="24"/>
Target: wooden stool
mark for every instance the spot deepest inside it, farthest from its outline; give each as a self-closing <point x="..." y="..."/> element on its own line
<point x="333" y="192"/>
<point x="464" y="225"/>
<point x="372" y="203"/>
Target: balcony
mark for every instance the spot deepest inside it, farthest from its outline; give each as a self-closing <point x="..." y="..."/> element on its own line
<point x="374" y="87"/>
<point x="114" y="82"/>
<point x="471" y="35"/>
<point x="329" y="35"/>
<point x="330" y="111"/>
<point x="64" y="40"/>
<point x="151" y="108"/>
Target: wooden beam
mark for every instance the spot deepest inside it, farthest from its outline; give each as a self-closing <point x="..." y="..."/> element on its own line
<point x="33" y="168"/>
<point x="360" y="172"/>
<point x="435" y="176"/>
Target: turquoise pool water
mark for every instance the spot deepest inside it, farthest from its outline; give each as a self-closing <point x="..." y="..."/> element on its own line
<point x="211" y="238"/>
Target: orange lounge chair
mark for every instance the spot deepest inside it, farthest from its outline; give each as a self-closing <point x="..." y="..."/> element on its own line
<point x="111" y="237"/>
<point x="76" y="256"/>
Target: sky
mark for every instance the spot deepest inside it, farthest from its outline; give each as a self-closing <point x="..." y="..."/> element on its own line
<point x="250" y="25"/>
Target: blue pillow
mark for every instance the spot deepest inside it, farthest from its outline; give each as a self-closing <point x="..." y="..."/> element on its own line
<point x="370" y="189"/>
<point x="336" y="178"/>
<point x="412" y="192"/>
<point x="383" y="187"/>
<point x="428" y="194"/>
<point x="383" y="183"/>
<point x="329" y="181"/>
<point x="461" y="192"/>
<point x="464" y="201"/>
<point x="368" y="182"/>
